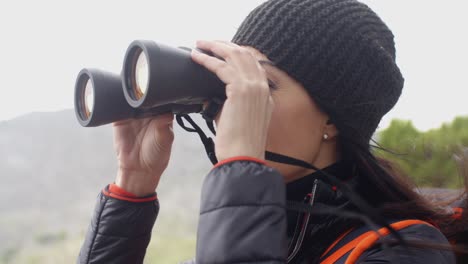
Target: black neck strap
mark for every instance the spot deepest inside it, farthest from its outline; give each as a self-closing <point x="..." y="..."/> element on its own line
<point x="271" y="156"/>
<point x="207" y="142"/>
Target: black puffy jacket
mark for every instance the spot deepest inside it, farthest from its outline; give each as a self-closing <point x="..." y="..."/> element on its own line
<point x="242" y="220"/>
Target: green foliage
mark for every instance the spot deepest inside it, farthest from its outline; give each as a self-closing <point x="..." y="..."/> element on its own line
<point x="427" y="157"/>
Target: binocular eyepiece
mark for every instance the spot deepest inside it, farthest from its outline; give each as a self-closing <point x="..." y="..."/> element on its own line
<point x="155" y="79"/>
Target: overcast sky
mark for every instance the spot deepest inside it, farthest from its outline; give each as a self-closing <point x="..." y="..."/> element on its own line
<point x="44" y="44"/>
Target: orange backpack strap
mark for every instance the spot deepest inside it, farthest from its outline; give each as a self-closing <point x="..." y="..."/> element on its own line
<point x="457" y="213"/>
<point x="350" y="246"/>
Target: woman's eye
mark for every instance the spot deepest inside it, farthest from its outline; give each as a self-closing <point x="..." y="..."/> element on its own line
<point x="272" y="84"/>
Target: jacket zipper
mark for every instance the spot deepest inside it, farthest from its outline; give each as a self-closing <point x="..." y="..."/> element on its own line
<point x="305" y="223"/>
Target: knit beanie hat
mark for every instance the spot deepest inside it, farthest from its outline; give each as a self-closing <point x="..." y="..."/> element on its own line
<point x="339" y="50"/>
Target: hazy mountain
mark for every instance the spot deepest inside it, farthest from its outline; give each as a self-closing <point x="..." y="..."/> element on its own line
<point x="51" y="170"/>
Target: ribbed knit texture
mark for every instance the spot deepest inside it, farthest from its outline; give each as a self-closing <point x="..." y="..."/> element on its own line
<point x="339" y="50"/>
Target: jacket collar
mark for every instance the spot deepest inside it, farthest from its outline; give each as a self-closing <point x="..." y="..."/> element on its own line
<point x="300" y="188"/>
<point x="320" y="230"/>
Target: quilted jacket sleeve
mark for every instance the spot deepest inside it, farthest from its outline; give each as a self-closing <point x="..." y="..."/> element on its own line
<point x="242" y="215"/>
<point x="120" y="230"/>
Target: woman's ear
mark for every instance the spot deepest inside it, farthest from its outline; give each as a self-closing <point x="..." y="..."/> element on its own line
<point x="330" y="130"/>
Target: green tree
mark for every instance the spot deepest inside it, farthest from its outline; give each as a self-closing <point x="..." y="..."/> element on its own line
<point x="427" y="157"/>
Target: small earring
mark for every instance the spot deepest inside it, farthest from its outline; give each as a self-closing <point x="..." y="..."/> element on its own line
<point x="325" y="136"/>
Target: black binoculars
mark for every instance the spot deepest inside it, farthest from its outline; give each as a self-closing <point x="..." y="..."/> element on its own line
<point x="155" y="79"/>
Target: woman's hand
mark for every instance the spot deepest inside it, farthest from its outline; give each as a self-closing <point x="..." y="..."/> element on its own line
<point x="242" y="124"/>
<point x="143" y="149"/>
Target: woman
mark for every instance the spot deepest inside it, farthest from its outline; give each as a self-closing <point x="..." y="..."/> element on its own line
<point x="310" y="81"/>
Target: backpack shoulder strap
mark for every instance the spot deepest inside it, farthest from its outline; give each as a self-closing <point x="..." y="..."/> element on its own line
<point x="351" y="245"/>
<point x="457" y="213"/>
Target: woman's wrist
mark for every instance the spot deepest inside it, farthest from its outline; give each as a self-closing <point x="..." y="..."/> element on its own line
<point x="240" y="149"/>
<point x="138" y="183"/>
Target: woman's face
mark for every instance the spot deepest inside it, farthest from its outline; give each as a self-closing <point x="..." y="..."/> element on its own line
<point x="297" y="126"/>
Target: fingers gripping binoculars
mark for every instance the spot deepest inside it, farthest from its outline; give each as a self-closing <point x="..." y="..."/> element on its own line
<point x="155" y="79"/>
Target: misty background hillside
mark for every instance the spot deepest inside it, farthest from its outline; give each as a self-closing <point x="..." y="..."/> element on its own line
<point x="52" y="169"/>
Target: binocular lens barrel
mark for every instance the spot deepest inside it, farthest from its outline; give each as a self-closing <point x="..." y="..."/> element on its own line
<point x="155" y="74"/>
<point x="155" y="79"/>
<point x="99" y="98"/>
